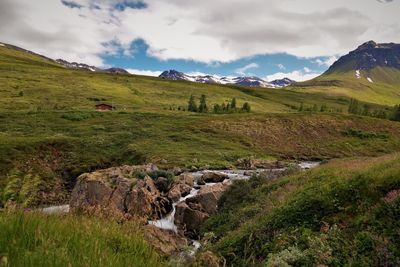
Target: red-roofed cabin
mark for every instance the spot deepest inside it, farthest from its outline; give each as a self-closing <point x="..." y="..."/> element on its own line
<point x="104" y="107"/>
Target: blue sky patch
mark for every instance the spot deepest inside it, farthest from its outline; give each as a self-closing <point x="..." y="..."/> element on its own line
<point x="122" y="5"/>
<point x="71" y="4"/>
<point x="260" y="65"/>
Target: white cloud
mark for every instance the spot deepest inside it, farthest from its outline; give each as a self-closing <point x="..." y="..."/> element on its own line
<point x="144" y="72"/>
<point x="243" y="70"/>
<point x="281" y="66"/>
<point x="297" y="75"/>
<point x="327" y="62"/>
<point x="191" y="30"/>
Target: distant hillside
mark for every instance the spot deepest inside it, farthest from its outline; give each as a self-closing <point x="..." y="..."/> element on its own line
<point x="370" y="73"/>
<point x="251" y="81"/>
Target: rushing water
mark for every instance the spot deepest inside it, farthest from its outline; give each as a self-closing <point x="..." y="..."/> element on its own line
<point x="168" y="222"/>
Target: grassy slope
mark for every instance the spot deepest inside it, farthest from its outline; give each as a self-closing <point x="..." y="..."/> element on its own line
<point x="343" y="213"/>
<point x="38" y="144"/>
<point x="38" y="240"/>
<point x="385" y="88"/>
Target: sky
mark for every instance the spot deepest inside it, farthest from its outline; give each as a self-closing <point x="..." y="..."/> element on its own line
<point x="270" y="39"/>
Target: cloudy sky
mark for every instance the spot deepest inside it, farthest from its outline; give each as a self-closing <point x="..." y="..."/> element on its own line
<point x="268" y="38"/>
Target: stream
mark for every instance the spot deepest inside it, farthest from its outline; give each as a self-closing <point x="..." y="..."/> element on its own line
<point x="168" y="221"/>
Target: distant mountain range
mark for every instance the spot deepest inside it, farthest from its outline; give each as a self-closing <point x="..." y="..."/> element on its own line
<point x="244" y="81"/>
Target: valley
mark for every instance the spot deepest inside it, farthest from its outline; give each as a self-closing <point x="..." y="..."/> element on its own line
<point x="54" y="145"/>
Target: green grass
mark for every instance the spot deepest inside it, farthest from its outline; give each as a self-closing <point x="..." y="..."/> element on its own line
<point x="343" y="213"/>
<point x="37" y="240"/>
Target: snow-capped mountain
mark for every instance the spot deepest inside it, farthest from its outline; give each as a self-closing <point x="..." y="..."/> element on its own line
<point x="282" y="82"/>
<point x="83" y="66"/>
<point x="76" y="65"/>
<point x="368" y="56"/>
<point x="244" y="81"/>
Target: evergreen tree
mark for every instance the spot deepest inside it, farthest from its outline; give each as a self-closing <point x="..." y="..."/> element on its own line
<point x="323" y="108"/>
<point x="246" y="107"/>
<point x="301" y="108"/>
<point x="203" y="105"/>
<point x="366" y="110"/>
<point x="217" y="108"/>
<point x="396" y="114"/>
<point x="223" y="107"/>
<point x="315" y="108"/>
<point x="192" y="107"/>
<point x="354" y="106"/>
<point x="233" y="103"/>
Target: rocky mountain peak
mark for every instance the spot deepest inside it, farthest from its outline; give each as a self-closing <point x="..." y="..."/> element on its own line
<point x="368" y="56"/>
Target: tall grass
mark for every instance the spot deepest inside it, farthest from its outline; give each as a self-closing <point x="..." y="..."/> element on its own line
<point x="28" y="239"/>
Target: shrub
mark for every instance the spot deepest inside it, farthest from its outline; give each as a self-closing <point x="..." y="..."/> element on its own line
<point x="77" y="116"/>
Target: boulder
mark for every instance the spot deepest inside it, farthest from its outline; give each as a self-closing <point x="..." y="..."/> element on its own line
<point x="111" y="193"/>
<point x="208" y="197"/>
<point x="178" y="190"/>
<point x="181" y="187"/>
<point x="186" y="178"/>
<point x="191" y="213"/>
<point x="140" y="201"/>
<point x="189" y="220"/>
<point x="165" y="242"/>
<point x="214" y="177"/>
<point x="93" y="193"/>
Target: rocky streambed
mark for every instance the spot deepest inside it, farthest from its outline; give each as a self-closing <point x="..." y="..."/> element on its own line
<point x="171" y="209"/>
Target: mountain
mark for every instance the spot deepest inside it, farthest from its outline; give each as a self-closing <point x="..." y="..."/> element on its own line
<point x="117" y="71"/>
<point x="369" y="56"/>
<point x="370" y="73"/>
<point x="371" y="62"/>
<point x="82" y="66"/>
<point x="243" y="81"/>
<point x="76" y="65"/>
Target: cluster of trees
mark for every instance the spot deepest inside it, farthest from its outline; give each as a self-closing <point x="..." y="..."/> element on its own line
<point x="316" y="108"/>
<point x="358" y="108"/>
<point x="230" y="107"/>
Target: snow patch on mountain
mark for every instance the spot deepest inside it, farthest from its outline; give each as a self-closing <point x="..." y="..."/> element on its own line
<point x="2" y="44"/>
<point x="370" y="80"/>
<point x="358" y="74"/>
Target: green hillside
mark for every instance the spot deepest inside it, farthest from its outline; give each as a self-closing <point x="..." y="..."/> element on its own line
<point x="344" y="213"/>
<point x="50" y="132"/>
<point x="384" y="88"/>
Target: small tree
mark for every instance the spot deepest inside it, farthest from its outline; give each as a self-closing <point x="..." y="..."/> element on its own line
<point x="217" y="108"/>
<point x="203" y="105"/>
<point x="246" y="107"/>
<point x="323" y="108"/>
<point x="301" y="108"/>
<point x="315" y="108"/>
<point x="354" y="106"/>
<point x="192" y="107"/>
<point x="396" y="113"/>
<point x="366" y="110"/>
<point x="233" y="103"/>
